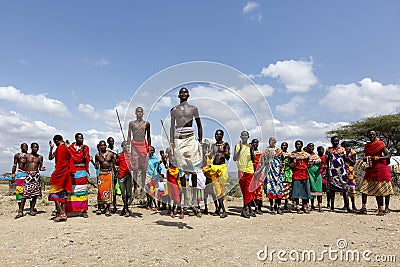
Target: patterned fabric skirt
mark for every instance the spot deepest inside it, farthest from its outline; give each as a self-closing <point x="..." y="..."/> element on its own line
<point x="161" y="196"/>
<point x="301" y="189"/>
<point x="258" y="194"/>
<point x="377" y="188"/>
<point x="57" y="194"/>
<point x="105" y="187"/>
<point x="256" y="186"/>
<point x="315" y="180"/>
<point x="333" y="188"/>
<point x="151" y="187"/>
<point x="351" y="181"/>
<point x="173" y="189"/>
<point x="33" y="185"/>
<point x="273" y="183"/>
<point x="287" y="189"/>
<point x="78" y="199"/>
<point x="19" y="184"/>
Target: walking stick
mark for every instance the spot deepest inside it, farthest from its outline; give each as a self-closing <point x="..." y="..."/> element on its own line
<point x="120" y="126"/>
<point x="166" y="134"/>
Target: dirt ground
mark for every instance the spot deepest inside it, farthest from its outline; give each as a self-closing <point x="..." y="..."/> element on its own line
<point x="150" y="238"/>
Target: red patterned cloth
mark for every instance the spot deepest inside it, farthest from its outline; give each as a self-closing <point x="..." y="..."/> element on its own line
<point x="256" y="185"/>
<point x="379" y="171"/>
<point x="172" y="184"/>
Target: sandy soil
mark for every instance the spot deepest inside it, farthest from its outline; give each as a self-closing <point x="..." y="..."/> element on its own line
<point x="154" y="239"/>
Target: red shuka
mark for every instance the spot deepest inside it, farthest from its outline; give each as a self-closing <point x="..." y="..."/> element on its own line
<point x="61" y="176"/>
<point x="79" y="156"/>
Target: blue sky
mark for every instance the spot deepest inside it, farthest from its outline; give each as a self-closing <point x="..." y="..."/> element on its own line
<point x="65" y="66"/>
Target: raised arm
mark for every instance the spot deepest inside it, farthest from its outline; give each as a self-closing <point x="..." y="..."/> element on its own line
<point x="237" y="153"/>
<point x="51" y="154"/>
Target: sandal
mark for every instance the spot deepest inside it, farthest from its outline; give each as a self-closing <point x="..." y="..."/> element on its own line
<point x="223" y="215"/>
<point x="32" y="213"/>
<point x="362" y="211"/>
<point x="19" y="215"/>
<point x="381" y="213"/>
<point x="85" y="215"/>
<point x="98" y="212"/>
<point x="181" y="216"/>
<point x="108" y="214"/>
<point x="60" y="218"/>
<point x="299" y="211"/>
<point x="216" y="213"/>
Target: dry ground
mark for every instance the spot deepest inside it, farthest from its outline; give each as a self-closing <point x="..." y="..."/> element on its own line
<point x="154" y="239"/>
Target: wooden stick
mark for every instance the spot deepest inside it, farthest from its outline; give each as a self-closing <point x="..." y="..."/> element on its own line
<point x="120" y="126"/>
<point x="166" y="134"/>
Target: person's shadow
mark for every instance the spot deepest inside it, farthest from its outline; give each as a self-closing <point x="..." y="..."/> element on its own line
<point x="180" y="225"/>
<point x="234" y="210"/>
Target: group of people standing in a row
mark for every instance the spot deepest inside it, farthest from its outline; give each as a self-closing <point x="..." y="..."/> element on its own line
<point x="199" y="168"/>
<point x="303" y="174"/>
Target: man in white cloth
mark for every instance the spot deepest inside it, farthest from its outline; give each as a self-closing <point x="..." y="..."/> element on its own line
<point x="187" y="149"/>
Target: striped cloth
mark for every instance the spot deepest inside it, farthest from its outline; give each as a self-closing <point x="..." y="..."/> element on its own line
<point x="19" y="184"/>
<point x="77" y="200"/>
<point x="57" y="194"/>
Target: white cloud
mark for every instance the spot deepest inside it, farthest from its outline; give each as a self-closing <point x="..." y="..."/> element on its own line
<point x="365" y="99"/>
<point x="252" y="92"/>
<point x="23" y="61"/>
<point x="38" y="102"/>
<point x="307" y="131"/>
<point x="163" y="102"/>
<point x="17" y="129"/>
<point x="86" y="108"/>
<point x="107" y="116"/>
<point x="102" y="62"/>
<point x="291" y="107"/>
<point x="257" y="17"/>
<point x="297" y="76"/>
<point x="250" y="6"/>
<point x="98" y="62"/>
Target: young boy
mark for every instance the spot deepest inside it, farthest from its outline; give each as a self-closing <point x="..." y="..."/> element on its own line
<point x="161" y="198"/>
